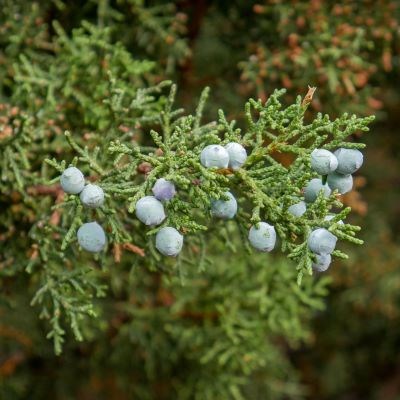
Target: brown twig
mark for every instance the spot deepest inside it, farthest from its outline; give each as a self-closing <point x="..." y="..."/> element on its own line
<point x="44" y="190"/>
<point x="134" y="249"/>
<point x="309" y="96"/>
<point x="117" y="252"/>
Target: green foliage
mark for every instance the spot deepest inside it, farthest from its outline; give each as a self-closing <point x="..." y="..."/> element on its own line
<point x="207" y="338"/>
<point x="87" y="85"/>
<point x="15" y="136"/>
<point x="264" y="186"/>
<point x="348" y="49"/>
<point x="326" y="46"/>
<point x="78" y="82"/>
<point x="95" y="85"/>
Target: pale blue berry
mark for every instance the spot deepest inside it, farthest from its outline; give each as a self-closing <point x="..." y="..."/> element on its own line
<point x="72" y="180"/>
<point x="339" y="182"/>
<point x="150" y="211"/>
<point x="322" y="262"/>
<point x="163" y="189"/>
<point x="214" y="155"/>
<point x="321" y="241"/>
<point x="262" y="238"/>
<point x="237" y="155"/>
<point x="298" y="209"/>
<point x="225" y="209"/>
<point x="313" y="188"/>
<point x="350" y="160"/>
<point x="92" y="196"/>
<point x="331" y="216"/>
<point x="323" y="161"/>
<point x="169" y="241"/>
<point x="91" y="237"/>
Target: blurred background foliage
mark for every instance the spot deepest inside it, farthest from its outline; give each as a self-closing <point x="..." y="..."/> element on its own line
<point x="338" y="344"/>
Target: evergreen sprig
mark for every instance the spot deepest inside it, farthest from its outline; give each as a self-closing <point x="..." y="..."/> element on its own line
<point x="265" y="187"/>
<point x="122" y="129"/>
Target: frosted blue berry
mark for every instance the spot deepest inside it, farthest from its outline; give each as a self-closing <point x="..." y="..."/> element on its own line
<point x="237" y="155"/>
<point x="169" y="241"/>
<point x="298" y="209"/>
<point x="323" y="161"/>
<point x="350" y="160"/>
<point x="163" y="189"/>
<point x="322" y="262"/>
<point x="339" y="182"/>
<point x="321" y="241"/>
<point x="214" y="155"/>
<point x="91" y="237"/>
<point x="331" y="216"/>
<point x="225" y="209"/>
<point x="313" y="188"/>
<point x="92" y="196"/>
<point x="150" y="211"/>
<point x="262" y="238"/>
<point x="72" y="180"/>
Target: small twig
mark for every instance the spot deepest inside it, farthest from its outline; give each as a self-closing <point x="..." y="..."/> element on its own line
<point x="45" y="190"/>
<point x="117" y="252"/>
<point x="308" y="97"/>
<point x="134" y="249"/>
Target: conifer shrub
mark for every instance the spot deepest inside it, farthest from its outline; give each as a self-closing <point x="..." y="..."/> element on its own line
<point x="134" y="232"/>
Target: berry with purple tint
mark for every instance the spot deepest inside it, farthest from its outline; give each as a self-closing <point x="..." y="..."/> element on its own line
<point x="163" y="189"/>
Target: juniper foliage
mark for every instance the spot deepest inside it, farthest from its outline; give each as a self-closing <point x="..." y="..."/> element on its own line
<point x="77" y="96"/>
<point x="114" y="160"/>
